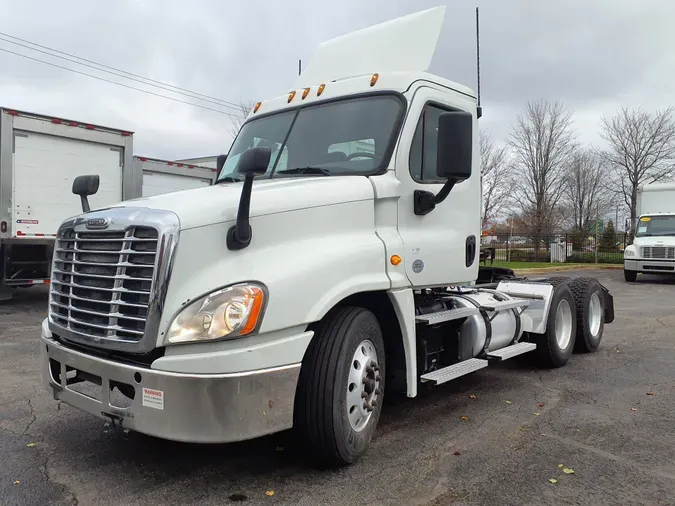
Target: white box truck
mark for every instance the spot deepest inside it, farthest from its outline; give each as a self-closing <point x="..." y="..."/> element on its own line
<point x="327" y="277"/>
<point x="40" y="156"/>
<point x="653" y="248"/>
<point x="164" y="176"/>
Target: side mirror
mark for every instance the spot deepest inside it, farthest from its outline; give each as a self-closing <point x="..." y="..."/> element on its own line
<point x="220" y="161"/>
<point x="254" y="161"/>
<point x="85" y="186"/>
<point x="251" y="163"/>
<point x="455" y="145"/>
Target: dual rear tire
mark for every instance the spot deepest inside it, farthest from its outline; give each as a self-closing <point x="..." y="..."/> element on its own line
<point x="575" y="321"/>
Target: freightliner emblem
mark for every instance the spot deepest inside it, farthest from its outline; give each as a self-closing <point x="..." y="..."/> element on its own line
<point x="97" y="223"/>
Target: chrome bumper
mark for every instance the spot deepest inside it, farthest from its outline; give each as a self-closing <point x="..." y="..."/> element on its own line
<point x="649" y="265"/>
<point x="181" y="407"/>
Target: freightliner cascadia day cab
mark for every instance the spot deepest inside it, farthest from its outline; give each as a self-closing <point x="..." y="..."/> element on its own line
<point x="338" y="261"/>
<point x="653" y="248"/>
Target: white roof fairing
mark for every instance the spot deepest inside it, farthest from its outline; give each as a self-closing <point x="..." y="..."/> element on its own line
<point x="407" y="43"/>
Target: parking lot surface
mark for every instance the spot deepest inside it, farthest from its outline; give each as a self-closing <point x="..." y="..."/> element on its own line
<point x="495" y="437"/>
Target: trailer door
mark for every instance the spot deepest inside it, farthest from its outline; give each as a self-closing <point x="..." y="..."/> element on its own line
<point x="44" y="169"/>
<point x="156" y="183"/>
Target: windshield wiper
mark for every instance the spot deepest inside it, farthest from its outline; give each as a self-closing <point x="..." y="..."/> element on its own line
<point x="306" y="170"/>
<point x="229" y="179"/>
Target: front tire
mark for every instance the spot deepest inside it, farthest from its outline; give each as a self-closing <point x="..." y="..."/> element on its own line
<point x="630" y="276"/>
<point x="341" y="387"/>
<point x="555" y="346"/>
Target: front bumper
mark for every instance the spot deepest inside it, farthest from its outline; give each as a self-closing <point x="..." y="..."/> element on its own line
<point x="649" y="265"/>
<point x="206" y="408"/>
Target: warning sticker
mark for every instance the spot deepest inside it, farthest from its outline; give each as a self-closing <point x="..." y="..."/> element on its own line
<point x="153" y="398"/>
<point x="28" y="222"/>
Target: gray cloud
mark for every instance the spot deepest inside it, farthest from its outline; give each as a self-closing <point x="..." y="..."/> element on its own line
<point x="592" y="55"/>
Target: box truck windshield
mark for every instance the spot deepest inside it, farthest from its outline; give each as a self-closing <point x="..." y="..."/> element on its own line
<point x="655" y="225"/>
<point x="345" y="137"/>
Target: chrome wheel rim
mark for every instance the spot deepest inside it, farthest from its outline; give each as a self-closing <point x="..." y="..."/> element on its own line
<point x="363" y="385"/>
<point x="563" y="324"/>
<point x="595" y="314"/>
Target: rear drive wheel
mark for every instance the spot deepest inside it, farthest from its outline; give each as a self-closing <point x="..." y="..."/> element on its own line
<point x="590" y="305"/>
<point x="555" y="347"/>
<point x="557" y="280"/>
<point x="630" y="276"/>
<point x="341" y="387"/>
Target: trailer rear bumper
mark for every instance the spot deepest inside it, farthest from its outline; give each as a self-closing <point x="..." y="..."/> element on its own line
<point x="208" y="408"/>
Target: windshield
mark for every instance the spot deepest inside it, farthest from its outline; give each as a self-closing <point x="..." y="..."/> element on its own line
<point x="347" y="137"/>
<point x="655" y="225"/>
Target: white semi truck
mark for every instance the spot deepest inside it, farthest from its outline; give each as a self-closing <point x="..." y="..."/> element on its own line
<point x="327" y="275"/>
<point x="653" y="248"/>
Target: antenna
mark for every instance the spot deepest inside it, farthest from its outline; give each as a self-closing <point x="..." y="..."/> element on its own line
<point x="479" y="109"/>
<point x="299" y="67"/>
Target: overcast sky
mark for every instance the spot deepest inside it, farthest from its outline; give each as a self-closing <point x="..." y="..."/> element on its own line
<point x="592" y="55"/>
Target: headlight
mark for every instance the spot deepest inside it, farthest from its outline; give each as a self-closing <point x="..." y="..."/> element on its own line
<point x="231" y="312"/>
<point x="629" y="252"/>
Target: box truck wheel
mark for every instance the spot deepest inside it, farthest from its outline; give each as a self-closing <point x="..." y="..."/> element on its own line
<point x="630" y="276"/>
<point x="590" y="304"/>
<point x="555" y="346"/>
<point x="341" y="387"/>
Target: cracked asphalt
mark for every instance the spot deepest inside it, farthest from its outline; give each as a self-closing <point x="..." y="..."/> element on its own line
<point x="593" y="416"/>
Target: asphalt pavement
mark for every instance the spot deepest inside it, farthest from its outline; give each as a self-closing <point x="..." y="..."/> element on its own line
<point x="498" y="436"/>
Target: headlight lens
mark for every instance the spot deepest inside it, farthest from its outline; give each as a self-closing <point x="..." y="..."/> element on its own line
<point x="629" y="252"/>
<point x="231" y="312"/>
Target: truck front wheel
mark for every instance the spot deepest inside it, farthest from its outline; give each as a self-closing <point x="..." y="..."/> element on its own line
<point x="630" y="276"/>
<point x="341" y="387"/>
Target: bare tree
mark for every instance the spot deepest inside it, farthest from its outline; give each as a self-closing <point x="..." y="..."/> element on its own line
<point x="542" y="142"/>
<point x="586" y="192"/>
<point x="494" y="178"/>
<point x="239" y="117"/>
<point x="641" y="150"/>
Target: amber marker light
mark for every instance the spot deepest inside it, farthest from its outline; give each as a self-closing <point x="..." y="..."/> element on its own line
<point x="374" y="79"/>
<point x="305" y="92"/>
<point x="395" y="260"/>
<point x="320" y="90"/>
<point x="256" y="107"/>
<point x="291" y="96"/>
<point x="257" y="295"/>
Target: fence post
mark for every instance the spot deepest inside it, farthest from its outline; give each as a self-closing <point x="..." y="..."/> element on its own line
<point x="596" y="239"/>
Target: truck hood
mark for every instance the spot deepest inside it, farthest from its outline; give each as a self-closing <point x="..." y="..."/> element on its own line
<point x="219" y="203"/>
<point x="665" y="240"/>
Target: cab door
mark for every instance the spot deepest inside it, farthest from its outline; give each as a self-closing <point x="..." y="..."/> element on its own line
<point x="440" y="247"/>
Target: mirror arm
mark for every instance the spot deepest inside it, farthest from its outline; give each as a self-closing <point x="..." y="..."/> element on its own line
<point x="85" y="204"/>
<point x="425" y="201"/>
<point x="239" y="235"/>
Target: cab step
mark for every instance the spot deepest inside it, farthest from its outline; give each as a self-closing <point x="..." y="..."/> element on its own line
<point x="504" y="305"/>
<point x="454" y="371"/>
<point x="447" y="315"/>
<point x="512" y="351"/>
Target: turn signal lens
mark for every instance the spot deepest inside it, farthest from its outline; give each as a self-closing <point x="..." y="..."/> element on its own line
<point x="395" y="260"/>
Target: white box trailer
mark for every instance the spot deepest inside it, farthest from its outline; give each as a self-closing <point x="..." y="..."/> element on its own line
<point x="164" y="176"/>
<point x="40" y="156"/>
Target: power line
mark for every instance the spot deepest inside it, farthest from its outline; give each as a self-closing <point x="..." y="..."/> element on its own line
<point x="232" y="116"/>
<point x="159" y="84"/>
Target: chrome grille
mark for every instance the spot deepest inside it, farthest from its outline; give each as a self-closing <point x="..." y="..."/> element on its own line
<point x="101" y="282"/>
<point x="658" y="252"/>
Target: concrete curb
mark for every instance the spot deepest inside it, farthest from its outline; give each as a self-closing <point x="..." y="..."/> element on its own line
<point x="562" y="268"/>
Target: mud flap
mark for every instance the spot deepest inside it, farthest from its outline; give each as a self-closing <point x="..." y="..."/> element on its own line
<point x="609" y="305"/>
